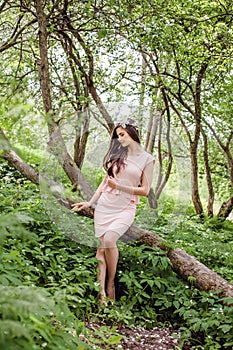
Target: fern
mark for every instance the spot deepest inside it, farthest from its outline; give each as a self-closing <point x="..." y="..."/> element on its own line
<point x="14" y="223"/>
<point x="10" y="329"/>
<point x="23" y="300"/>
<point x="31" y="318"/>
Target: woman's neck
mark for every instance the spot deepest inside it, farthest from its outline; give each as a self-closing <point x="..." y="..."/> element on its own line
<point x="135" y="149"/>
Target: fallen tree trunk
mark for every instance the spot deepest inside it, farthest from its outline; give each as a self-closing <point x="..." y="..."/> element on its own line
<point x="9" y="154"/>
<point x="70" y="168"/>
<point x="183" y="264"/>
<point x="186" y="265"/>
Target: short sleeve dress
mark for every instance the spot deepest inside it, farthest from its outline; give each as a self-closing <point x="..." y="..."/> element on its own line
<point x="115" y="209"/>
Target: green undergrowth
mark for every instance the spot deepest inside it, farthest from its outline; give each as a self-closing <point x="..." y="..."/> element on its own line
<point x="49" y="293"/>
<point x="210" y="240"/>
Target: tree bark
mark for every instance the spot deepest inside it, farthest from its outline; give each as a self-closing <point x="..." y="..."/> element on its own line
<point x="194" y="144"/>
<point x="81" y="140"/>
<point x="57" y="147"/>
<point x="210" y="204"/>
<point x="195" y="183"/>
<point x="56" y="143"/>
<point x="44" y="74"/>
<point x="186" y="265"/>
<point x="226" y="208"/>
<point x="7" y="153"/>
<point x="183" y="264"/>
<point x="25" y="169"/>
<point x="152" y="129"/>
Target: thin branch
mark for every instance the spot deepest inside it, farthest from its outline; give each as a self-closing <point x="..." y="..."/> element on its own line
<point x="179" y="81"/>
<point x="3" y="5"/>
<point x="180" y="118"/>
<point x="180" y="99"/>
<point x="14" y="41"/>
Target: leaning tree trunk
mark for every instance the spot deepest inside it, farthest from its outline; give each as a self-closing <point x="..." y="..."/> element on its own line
<point x="226" y="208"/>
<point x="210" y="205"/>
<point x="195" y="187"/>
<point x="56" y="143"/>
<point x="7" y="153"/>
<point x="183" y="264"/>
<point x="186" y="265"/>
<point x="34" y="176"/>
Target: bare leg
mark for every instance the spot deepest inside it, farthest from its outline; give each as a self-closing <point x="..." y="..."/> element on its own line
<point x="101" y="271"/>
<point x="111" y="258"/>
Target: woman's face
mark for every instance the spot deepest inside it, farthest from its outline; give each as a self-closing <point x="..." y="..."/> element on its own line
<point x="123" y="137"/>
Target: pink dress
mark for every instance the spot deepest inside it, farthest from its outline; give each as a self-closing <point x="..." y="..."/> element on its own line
<point x="115" y="209"/>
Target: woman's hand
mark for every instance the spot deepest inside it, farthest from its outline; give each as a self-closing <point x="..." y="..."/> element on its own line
<point x="80" y="206"/>
<point x="112" y="183"/>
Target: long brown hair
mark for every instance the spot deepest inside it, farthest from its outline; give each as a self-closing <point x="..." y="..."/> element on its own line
<point x="116" y="153"/>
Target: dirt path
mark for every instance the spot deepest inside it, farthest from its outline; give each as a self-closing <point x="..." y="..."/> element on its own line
<point x="142" y="339"/>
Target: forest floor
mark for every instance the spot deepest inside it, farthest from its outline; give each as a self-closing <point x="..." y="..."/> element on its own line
<point x="140" y="338"/>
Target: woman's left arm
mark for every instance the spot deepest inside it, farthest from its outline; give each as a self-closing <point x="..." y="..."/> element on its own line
<point x="143" y="190"/>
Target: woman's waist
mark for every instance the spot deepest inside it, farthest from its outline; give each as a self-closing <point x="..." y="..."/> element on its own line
<point x="121" y="198"/>
<point x="121" y="194"/>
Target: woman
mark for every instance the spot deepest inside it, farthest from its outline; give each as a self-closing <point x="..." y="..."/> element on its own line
<point x="129" y="172"/>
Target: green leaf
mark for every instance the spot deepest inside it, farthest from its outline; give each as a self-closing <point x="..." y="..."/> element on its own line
<point x="226" y="328"/>
<point x="115" y="339"/>
<point x="102" y="33"/>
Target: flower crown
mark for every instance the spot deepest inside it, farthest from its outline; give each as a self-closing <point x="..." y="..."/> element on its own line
<point x="130" y="122"/>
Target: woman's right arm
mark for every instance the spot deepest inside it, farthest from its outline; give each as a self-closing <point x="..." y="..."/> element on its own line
<point x="95" y="197"/>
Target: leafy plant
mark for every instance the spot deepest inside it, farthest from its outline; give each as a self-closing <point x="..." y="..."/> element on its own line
<point x="49" y="291"/>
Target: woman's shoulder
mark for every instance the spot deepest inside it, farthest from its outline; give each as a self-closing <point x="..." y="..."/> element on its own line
<point x="148" y="157"/>
<point x="142" y="159"/>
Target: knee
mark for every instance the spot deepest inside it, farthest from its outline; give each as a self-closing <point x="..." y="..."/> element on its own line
<point x="109" y="241"/>
<point x="100" y="252"/>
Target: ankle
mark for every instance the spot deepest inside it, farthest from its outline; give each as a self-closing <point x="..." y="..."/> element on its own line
<point x="110" y="283"/>
<point x="111" y="290"/>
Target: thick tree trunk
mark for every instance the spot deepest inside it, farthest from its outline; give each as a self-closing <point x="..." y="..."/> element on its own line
<point x="226" y="208"/>
<point x="81" y="140"/>
<point x="210" y="204"/>
<point x="186" y="265"/>
<point x="56" y="143"/>
<point x="25" y="169"/>
<point x="31" y="174"/>
<point x="183" y="264"/>
<point x="7" y="153"/>
<point x="195" y="188"/>
<point x="57" y="147"/>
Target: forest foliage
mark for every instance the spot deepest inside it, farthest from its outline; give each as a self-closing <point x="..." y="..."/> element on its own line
<point x="84" y="65"/>
<point x="49" y="292"/>
<point x="69" y="71"/>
